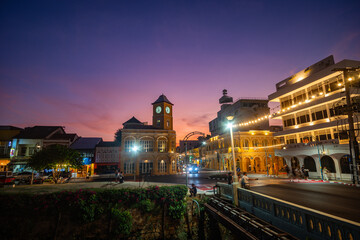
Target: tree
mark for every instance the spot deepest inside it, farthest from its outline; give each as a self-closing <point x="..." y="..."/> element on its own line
<point x="55" y="157"/>
<point x="118" y="135"/>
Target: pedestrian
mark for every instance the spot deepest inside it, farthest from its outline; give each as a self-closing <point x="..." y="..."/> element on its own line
<point x="230" y="180"/>
<point x="306" y="173"/>
<point x="249" y="167"/>
<point x="245" y="181"/>
<point x="116" y="175"/>
<point x="193" y="190"/>
<point x="325" y="173"/>
<point x="121" y="177"/>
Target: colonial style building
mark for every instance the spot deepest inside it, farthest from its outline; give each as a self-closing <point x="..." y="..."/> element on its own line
<point x="315" y="133"/>
<point x="150" y="148"/>
<point x="33" y="139"/>
<point x="242" y="110"/>
<point x="254" y="144"/>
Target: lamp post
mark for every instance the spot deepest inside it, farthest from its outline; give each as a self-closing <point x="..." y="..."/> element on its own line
<point x="134" y="150"/>
<point x="235" y="181"/>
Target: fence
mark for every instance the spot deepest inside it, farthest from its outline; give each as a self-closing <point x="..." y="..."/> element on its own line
<point x="301" y="222"/>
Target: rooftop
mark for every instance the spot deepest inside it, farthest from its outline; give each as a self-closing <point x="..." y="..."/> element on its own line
<point x="85" y="143"/>
<point x="161" y="99"/>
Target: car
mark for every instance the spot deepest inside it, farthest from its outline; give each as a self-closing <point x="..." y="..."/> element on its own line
<point x="6" y="178"/>
<point x="193" y="168"/>
<point x="25" y="178"/>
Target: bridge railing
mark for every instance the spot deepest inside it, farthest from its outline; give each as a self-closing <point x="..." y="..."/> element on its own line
<point x="301" y="222"/>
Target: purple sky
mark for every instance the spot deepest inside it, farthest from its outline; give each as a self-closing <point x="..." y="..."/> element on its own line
<point x="92" y="65"/>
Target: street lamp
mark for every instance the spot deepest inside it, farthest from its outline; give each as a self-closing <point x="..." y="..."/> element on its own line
<point x="235" y="181"/>
<point x="135" y="149"/>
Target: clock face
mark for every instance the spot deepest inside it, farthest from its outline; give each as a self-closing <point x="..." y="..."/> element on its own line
<point x="158" y="109"/>
<point x="167" y="109"/>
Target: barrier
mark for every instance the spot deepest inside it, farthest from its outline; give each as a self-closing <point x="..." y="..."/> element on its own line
<point x="299" y="221"/>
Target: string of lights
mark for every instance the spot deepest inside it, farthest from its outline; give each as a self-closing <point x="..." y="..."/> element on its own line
<point x="284" y="110"/>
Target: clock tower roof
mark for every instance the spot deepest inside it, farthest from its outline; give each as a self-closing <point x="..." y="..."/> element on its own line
<point x="161" y="99"/>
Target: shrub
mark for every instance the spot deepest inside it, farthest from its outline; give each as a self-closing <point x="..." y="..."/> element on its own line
<point x="122" y="221"/>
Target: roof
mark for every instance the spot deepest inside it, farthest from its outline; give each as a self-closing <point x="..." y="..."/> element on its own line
<point x="70" y="136"/>
<point x="139" y="126"/>
<point x="3" y="127"/>
<point x="38" y="132"/>
<point x="161" y="99"/>
<point x="85" y="143"/>
<point x="109" y="144"/>
<point x="132" y="120"/>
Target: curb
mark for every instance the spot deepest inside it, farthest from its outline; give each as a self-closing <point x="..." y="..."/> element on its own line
<point x="321" y="181"/>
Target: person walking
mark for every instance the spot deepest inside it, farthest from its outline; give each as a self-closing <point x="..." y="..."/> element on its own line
<point x="325" y="173"/>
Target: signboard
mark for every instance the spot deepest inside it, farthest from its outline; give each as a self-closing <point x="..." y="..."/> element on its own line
<point x="238" y="169"/>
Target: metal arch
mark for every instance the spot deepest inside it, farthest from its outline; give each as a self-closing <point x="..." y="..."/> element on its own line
<point x="192" y="134"/>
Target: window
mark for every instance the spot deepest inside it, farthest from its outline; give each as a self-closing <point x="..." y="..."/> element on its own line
<point x="161" y="145"/>
<point x="168" y="123"/>
<point x="246" y="144"/>
<point x="31" y="150"/>
<point x="173" y="166"/>
<point x="264" y="143"/>
<point x="145" y="167"/>
<point x="147" y="145"/>
<point x="162" y="166"/>
<point x="129" y="144"/>
<point x="255" y="144"/>
<point x="303" y="119"/>
<point x="158" y="123"/>
<point x="22" y="151"/>
<point x="289" y="122"/>
<point x="129" y="167"/>
<point x="318" y="114"/>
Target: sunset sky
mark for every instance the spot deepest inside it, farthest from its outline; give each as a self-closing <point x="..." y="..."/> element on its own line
<point x="92" y="65"/>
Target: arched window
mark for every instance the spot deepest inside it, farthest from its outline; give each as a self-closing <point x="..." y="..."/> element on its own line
<point x="328" y="162"/>
<point x="246" y="144"/>
<point x="129" y="144"/>
<point x="309" y="163"/>
<point x="264" y="143"/>
<point x="162" y="166"/>
<point x="255" y="143"/>
<point x="274" y="142"/>
<point x="147" y="145"/>
<point x="162" y="145"/>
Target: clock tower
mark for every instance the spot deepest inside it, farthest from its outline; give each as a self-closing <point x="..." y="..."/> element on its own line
<point x="162" y="113"/>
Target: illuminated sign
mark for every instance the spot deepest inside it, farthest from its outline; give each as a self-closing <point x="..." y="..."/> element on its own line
<point x="12" y="152"/>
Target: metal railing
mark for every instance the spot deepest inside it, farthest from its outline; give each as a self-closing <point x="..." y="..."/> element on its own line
<point x="301" y="222"/>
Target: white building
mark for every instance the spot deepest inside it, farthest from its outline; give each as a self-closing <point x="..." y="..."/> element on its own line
<point x="314" y="133"/>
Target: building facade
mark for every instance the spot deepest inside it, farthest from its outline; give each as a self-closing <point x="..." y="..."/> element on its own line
<point x="107" y="157"/>
<point x="315" y="133"/>
<point x="242" y="110"/>
<point x="254" y="152"/>
<point x="6" y="135"/>
<point x="86" y="147"/>
<point x="150" y="148"/>
<point x="33" y="139"/>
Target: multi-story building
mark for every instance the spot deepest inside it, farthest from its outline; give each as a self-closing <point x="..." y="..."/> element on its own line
<point x="150" y="148"/>
<point x="107" y="157"/>
<point x="254" y="152"/>
<point x="315" y="134"/>
<point x="86" y="147"/>
<point x="253" y="143"/>
<point x="33" y="139"/>
<point x="242" y="110"/>
<point x="6" y="135"/>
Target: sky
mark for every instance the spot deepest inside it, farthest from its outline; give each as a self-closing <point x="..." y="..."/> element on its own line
<point x="92" y="65"/>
